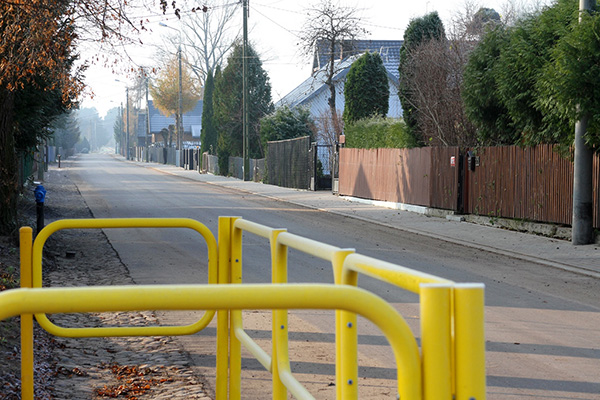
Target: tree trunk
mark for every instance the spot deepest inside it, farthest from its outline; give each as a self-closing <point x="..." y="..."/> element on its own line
<point x="9" y="182"/>
<point x="334" y="116"/>
<point x="331" y="84"/>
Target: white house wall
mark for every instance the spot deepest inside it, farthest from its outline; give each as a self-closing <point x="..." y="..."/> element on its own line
<point x="395" y="107"/>
<point x="318" y="105"/>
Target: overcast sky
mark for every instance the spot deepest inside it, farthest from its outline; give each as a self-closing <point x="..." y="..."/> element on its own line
<point x="274" y="26"/>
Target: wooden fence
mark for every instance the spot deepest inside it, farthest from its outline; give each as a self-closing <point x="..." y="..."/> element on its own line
<point x="533" y="184"/>
<point x="422" y="176"/>
<point x="288" y="163"/>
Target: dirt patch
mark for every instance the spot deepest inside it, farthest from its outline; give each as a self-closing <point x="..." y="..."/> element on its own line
<point x="88" y="368"/>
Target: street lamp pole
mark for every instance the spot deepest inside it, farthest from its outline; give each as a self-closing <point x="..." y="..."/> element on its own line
<point x="119" y="145"/>
<point x="180" y="103"/>
<point x="147" y="120"/>
<point x="245" y="95"/>
<point x="127" y="125"/>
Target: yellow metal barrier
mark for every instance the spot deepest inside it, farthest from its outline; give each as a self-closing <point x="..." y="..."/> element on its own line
<point x="278" y="363"/>
<point x="452" y="337"/>
<point x="452" y="359"/>
<point x="53" y="227"/>
<point x="233" y="297"/>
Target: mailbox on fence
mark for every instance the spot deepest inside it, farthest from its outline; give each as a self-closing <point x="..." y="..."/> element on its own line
<point x="472" y="161"/>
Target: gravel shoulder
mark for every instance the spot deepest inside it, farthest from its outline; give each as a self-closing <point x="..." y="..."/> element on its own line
<point x="89" y="368"/>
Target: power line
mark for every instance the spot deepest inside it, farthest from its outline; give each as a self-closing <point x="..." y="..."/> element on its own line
<point x="281" y="9"/>
<point x="383" y="27"/>
<point x="277" y="23"/>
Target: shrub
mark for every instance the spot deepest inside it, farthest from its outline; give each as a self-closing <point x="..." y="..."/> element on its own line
<point x="377" y="132"/>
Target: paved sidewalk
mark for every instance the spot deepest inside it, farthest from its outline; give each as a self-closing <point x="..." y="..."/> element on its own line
<point x="548" y="251"/>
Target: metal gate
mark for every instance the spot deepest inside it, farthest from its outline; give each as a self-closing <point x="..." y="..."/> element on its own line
<point x="324" y="166"/>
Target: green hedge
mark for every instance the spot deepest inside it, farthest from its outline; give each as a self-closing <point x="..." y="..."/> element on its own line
<point x="376" y="132"/>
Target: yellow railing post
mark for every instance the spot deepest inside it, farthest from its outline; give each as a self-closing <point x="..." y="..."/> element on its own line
<point x="435" y="300"/>
<point x="279" y="322"/>
<point x="349" y="344"/>
<point x="26" y="278"/>
<point x="235" y="346"/>
<point x="338" y="266"/>
<point x="222" y="359"/>
<point x="469" y="341"/>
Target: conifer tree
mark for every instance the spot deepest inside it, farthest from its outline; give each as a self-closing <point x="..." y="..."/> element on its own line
<point x="367" y="91"/>
<point x="208" y="136"/>
<point x="227" y="102"/>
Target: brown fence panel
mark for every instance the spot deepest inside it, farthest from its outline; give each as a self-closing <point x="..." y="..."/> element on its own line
<point x="533" y="183"/>
<point x="354" y="176"/>
<point x="394" y="175"/>
<point x="445" y="172"/>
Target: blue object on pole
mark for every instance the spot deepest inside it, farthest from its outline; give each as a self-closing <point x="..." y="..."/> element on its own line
<point x="40" y="194"/>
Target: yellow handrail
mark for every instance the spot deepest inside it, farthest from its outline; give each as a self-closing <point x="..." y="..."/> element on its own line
<point x="405" y="278"/>
<point x="237" y="297"/>
<point x="53" y="227"/>
<point x="453" y="339"/>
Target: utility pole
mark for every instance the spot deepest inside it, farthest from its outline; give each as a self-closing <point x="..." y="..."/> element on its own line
<point x="246" y="168"/>
<point x="582" y="226"/>
<point x="180" y="104"/>
<point x="147" y="121"/>
<point x="127" y="125"/>
<point x="119" y="144"/>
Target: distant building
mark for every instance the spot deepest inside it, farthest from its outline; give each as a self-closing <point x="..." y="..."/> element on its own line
<point x="313" y="93"/>
<point x="389" y="50"/>
<point x="192" y="125"/>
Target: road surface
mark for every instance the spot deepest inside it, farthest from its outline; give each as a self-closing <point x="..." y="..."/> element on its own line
<point x="542" y="324"/>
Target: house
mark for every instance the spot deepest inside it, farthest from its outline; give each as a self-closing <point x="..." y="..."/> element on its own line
<point x="192" y="125"/>
<point x="389" y="50"/>
<point x="313" y="93"/>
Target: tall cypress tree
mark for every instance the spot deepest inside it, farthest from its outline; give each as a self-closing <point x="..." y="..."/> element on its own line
<point x="367" y="91"/>
<point x="208" y="135"/>
<point x="227" y="102"/>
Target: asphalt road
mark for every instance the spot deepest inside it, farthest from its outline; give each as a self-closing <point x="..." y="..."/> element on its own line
<point x="542" y="324"/>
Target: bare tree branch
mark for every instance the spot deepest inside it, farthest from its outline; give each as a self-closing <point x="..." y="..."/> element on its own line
<point x="436" y="72"/>
<point x="206" y="37"/>
<point x="333" y="29"/>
